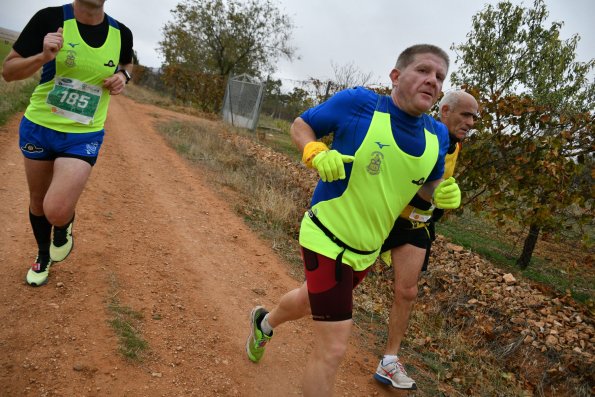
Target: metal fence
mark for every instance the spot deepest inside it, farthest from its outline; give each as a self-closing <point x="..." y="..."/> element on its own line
<point x="242" y="101"/>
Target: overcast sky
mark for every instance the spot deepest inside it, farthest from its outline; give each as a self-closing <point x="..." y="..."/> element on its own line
<point x="369" y="34"/>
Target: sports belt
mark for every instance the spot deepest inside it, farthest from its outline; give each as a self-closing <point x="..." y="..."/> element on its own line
<point x="409" y="224"/>
<point x="416" y="214"/>
<point x="336" y="240"/>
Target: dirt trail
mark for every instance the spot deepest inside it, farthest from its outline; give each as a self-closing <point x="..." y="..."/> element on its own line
<point x="149" y="229"/>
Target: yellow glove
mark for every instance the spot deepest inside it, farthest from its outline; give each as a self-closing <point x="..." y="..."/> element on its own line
<point x="447" y="195"/>
<point x="330" y="165"/>
<point x="311" y="150"/>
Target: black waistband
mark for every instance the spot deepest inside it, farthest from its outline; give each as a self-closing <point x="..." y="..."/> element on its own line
<point x="334" y="238"/>
<point x="339" y="242"/>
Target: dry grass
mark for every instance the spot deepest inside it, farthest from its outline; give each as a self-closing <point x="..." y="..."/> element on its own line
<point x="14" y="96"/>
<point x="268" y="198"/>
<point x="443" y="354"/>
<point x="456" y="356"/>
<point x="453" y="351"/>
<point x="567" y="270"/>
<point x="144" y="95"/>
<point x="126" y="324"/>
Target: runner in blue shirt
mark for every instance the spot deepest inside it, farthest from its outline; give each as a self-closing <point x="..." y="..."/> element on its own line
<point x="384" y="150"/>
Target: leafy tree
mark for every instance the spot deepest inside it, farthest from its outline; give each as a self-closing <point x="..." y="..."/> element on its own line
<point x="271" y="103"/>
<point x="285" y="105"/>
<point x="221" y="37"/>
<point x="526" y="161"/>
<point x="298" y="100"/>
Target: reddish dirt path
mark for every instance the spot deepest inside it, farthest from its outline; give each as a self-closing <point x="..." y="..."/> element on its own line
<point x="149" y="222"/>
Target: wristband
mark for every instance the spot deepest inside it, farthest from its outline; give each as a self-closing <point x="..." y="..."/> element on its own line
<point x="311" y="150"/>
<point x="125" y="73"/>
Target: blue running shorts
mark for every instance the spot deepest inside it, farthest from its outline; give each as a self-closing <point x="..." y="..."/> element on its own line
<point x="41" y="143"/>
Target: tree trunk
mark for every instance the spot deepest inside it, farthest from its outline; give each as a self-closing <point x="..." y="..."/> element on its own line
<point x="528" y="247"/>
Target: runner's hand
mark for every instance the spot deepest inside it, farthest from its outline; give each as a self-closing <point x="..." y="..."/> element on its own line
<point x="330" y="165"/>
<point x="52" y="43"/>
<point x="115" y="84"/>
<point x="447" y="195"/>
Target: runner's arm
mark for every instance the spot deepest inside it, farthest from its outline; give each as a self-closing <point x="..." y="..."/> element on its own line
<point x="427" y="190"/>
<point x="444" y="193"/>
<point x="301" y="133"/>
<point x="16" y="67"/>
<point x="116" y="83"/>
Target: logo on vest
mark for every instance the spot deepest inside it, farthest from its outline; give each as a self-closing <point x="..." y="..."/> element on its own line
<point x="380" y="144"/>
<point x="110" y="64"/>
<point x="375" y="162"/>
<point x="419" y="182"/>
<point x="31" y="148"/>
<point x="73" y="44"/>
<point x="64" y="81"/>
<point x="70" y="58"/>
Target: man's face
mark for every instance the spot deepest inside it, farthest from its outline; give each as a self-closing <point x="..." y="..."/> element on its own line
<point x="419" y="84"/>
<point x="460" y="118"/>
<point x="92" y="3"/>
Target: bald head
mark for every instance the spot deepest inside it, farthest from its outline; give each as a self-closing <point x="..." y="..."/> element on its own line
<point x="458" y="111"/>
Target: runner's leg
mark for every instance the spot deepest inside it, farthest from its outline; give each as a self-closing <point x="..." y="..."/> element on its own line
<point x="68" y="182"/>
<point x="292" y="306"/>
<point x="331" y="338"/>
<point x="407" y="262"/>
<point x="39" y="177"/>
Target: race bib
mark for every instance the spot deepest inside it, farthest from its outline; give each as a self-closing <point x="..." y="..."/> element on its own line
<point x="74" y="99"/>
<point x="420" y="216"/>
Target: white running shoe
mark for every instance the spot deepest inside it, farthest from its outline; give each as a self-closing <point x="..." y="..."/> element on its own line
<point x="393" y="373"/>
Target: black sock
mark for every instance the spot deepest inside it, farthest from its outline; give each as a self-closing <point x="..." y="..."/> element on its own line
<point x="42" y="230"/>
<point x="60" y="233"/>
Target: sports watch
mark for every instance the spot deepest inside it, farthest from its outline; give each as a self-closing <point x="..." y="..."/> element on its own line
<point x="125" y="73"/>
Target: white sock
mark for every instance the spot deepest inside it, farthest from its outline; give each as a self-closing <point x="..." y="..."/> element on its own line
<point x="388" y="358"/>
<point x="265" y="326"/>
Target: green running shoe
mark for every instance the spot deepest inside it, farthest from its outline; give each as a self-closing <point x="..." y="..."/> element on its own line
<point x="61" y="244"/>
<point x="39" y="272"/>
<point x="257" y="339"/>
